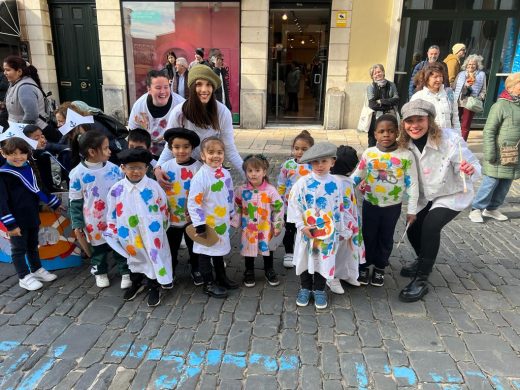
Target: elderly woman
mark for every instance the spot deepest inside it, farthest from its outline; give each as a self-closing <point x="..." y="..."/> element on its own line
<point x="430" y="87"/>
<point x="502" y="128"/>
<point x="443" y="157"/>
<point x="382" y="98"/>
<point x="471" y="81"/>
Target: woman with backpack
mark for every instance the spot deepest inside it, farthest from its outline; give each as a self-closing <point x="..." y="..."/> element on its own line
<point x="25" y="99"/>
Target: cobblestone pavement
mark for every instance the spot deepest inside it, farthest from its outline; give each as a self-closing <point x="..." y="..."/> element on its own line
<point x="465" y="334"/>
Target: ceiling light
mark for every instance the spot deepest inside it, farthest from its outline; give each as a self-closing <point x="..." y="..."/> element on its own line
<point x="303" y="42"/>
<point x="284" y="17"/>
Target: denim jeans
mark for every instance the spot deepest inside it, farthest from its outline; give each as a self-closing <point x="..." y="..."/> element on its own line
<point x="491" y="194"/>
<point x="26" y="244"/>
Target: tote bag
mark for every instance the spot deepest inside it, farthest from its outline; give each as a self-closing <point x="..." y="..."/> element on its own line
<point x="365" y="119"/>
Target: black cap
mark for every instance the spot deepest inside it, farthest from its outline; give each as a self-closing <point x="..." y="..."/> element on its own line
<point x="181" y="132"/>
<point x="135" y="155"/>
<point x="346" y="160"/>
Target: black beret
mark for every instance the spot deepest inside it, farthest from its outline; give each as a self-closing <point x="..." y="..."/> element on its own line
<point x="181" y="132"/>
<point x="346" y="160"/>
<point x="135" y="155"/>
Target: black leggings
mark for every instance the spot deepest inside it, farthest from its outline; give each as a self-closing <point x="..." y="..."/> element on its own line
<point x="288" y="238"/>
<point x="425" y="233"/>
<point x="268" y="262"/>
<point x="312" y="282"/>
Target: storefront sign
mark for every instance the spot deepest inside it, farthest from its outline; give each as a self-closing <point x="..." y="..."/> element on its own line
<point x="341" y="18"/>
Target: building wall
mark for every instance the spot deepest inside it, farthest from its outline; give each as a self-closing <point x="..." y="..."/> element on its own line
<point x="373" y="39"/>
<point x="35" y="26"/>
<point x="112" y="57"/>
<point x="254" y="33"/>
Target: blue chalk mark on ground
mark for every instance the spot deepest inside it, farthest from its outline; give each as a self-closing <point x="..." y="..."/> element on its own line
<point x="516" y="384"/>
<point x="497" y="384"/>
<point x="361" y="375"/>
<point x="406" y="373"/>
<point x="6" y="346"/>
<point x="35" y="376"/>
<point x="154" y="354"/>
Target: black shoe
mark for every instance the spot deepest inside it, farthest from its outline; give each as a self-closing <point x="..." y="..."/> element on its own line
<point x="224" y="281"/>
<point x="214" y="291"/>
<point x="363" y="276"/>
<point x="416" y="289"/>
<point x="271" y="277"/>
<point x="132" y="291"/>
<point x="167" y="286"/>
<point x="410" y="269"/>
<point x="198" y="280"/>
<point x="249" y="278"/>
<point x="154" y="297"/>
<point x="378" y="277"/>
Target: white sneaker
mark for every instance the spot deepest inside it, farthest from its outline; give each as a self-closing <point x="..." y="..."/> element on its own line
<point x="44" y="276"/>
<point x="335" y="286"/>
<point x="30" y="283"/>
<point x="288" y="260"/>
<point x="125" y="281"/>
<point x="183" y="244"/>
<point x="495" y="214"/>
<point x="476" y="216"/>
<point x="353" y="282"/>
<point x="102" y="280"/>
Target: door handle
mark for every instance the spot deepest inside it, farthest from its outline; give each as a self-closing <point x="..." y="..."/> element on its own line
<point x="317" y="78"/>
<point x="66" y="83"/>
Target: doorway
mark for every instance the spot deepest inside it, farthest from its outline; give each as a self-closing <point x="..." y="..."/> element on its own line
<point x="489" y="29"/>
<point x="76" y="49"/>
<point x="298" y="53"/>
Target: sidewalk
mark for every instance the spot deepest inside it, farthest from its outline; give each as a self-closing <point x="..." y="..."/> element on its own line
<point x="464" y="335"/>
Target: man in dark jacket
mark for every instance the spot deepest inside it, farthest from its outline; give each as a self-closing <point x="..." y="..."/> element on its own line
<point x="432" y="55"/>
<point x="222" y="94"/>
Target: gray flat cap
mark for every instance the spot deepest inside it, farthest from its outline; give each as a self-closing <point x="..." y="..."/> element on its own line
<point x="418" y="107"/>
<point x="319" y="150"/>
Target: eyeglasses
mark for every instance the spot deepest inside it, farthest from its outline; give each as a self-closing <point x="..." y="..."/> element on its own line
<point x="135" y="169"/>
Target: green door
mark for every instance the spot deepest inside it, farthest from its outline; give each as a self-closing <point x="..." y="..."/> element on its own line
<point x="76" y="48"/>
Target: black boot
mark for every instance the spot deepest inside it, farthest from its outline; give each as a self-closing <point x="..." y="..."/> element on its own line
<point x="410" y="269"/>
<point x="416" y="289"/>
<point x="214" y="291"/>
<point x="221" y="277"/>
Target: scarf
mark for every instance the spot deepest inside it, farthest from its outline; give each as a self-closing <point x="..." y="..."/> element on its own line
<point x="389" y="149"/>
<point x="507" y="96"/>
<point x="381" y="83"/>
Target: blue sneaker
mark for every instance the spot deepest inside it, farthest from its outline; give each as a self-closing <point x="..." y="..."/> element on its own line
<point x="320" y="299"/>
<point x="303" y="297"/>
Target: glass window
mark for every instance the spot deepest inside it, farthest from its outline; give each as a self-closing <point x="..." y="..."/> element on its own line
<point x="481" y="4"/>
<point x="153" y="28"/>
<point x="430" y="4"/>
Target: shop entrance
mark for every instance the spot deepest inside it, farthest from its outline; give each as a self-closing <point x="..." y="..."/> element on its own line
<point x="298" y="52"/>
<point x="489" y="29"/>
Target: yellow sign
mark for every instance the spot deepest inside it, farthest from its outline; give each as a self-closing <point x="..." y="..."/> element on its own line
<point x="341" y="18"/>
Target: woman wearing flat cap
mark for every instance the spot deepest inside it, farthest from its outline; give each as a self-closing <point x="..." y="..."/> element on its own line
<point x="446" y="170"/>
<point x="203" y="114"/>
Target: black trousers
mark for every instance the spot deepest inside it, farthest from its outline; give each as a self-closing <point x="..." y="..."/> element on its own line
<point x="138" y="278"/>
<point x="312" y="281"/>
<point x="288" y="238"/>
<point x="268" y="262"/>
<point x="371" y="137"/>
<point x="26" y="244"/>
<point x="378" y="232"/>
<point x="206" y="269"/>
<point x="425" y="234"/>
<point x="174" y="235"/>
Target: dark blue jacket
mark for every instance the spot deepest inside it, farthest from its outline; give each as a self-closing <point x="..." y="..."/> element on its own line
<point x="19" y="206"/>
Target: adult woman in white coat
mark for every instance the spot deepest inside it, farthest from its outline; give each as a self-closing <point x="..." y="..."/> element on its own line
<point x="430" y="87"/>
<point x="443" y="158"/>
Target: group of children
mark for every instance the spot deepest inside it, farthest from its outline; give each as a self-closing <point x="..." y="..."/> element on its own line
<point x="121" y="210"/>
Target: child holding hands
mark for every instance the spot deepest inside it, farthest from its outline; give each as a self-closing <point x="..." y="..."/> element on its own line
<point x="384" y="174"/>
<point x="259" y="213"/>
<point x="316" y="209"/>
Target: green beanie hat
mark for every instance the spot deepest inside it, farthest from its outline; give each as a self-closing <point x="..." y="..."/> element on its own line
<point x="203" y="72"/>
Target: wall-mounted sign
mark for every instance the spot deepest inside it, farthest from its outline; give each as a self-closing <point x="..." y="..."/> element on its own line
<point x="341" y="18"/>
